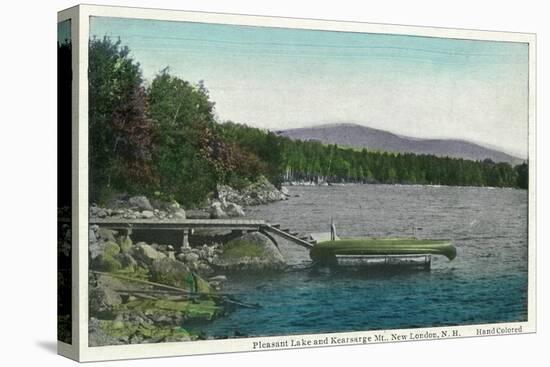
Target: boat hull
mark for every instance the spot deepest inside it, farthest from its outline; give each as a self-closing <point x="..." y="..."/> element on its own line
<point x="373" y="251"/>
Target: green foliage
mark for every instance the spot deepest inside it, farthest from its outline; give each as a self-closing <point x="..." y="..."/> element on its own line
<point x="258" y="153"/>
<point x="184" y="123"/>
<point x="111" y="249"/>
<point x="119" y="329"/>
<point x="522" y="175"/>
<point x="193" y="153"/>
<point x="238" y="249"/>
<point x="125" y="243"/>
<point x="204" y="309"/>
<point x="120" y="131"/>
<point x="313" y="161"/>
<point x="108" y="263"/>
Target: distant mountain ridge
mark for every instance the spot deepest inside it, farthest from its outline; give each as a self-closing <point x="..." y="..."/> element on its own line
<point x="359" y="136"/>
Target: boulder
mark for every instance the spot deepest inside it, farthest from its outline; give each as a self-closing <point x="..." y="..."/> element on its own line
<point x="259" y="192"/>
<point x="191" y="257"/>
<point x="252" y="252"/>
<point x="94" y="246"/>
<point x="179" y="214"/>
<point x="93" y="210"/>
<point x="103" y="299"/>
<point x="147" y="214"/>
<point x="234" y="210"/>
<point x="216" y="211"/>
<point x="174" y="273"/>
<point x="104" y="256"/>
<point x="98" y="337"/>
<point x="91" y="236"/>
<point x="162" y="248"/>
<point x="106" y="234"/>
<point x="146" y="253"/>
<point x="181" y="257"/>
<point x="197" y="214"/>
<point x="140" y="202"/>
<point x="95" y="249"/>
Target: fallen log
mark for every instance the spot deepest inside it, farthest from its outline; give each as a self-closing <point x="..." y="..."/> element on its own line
<point x="168" y="288"/>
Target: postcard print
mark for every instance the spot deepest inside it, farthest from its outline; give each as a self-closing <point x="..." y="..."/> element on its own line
<point x="250" y="181"/>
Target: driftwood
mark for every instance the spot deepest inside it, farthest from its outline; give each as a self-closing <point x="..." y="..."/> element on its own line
<point x="175" y="290"/>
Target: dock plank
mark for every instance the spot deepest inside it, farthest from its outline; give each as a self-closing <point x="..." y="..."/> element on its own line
<point x="187" y="224"/>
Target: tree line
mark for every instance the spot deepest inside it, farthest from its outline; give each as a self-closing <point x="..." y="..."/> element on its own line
<point x="313" y="161"/>
<point x="162" y="138"/>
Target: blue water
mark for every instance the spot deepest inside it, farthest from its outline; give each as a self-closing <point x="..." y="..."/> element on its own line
<point x="486" y="283"/>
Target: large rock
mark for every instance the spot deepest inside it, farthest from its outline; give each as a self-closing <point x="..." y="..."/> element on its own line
<point x="97" y="337"/>
<point x="191" y="257"/>
<point x="251" y="251"/>
<point x="146" y="253"/>
<point x="106" y="234"/>
<point x="177" y="274"/>
<point x="260" y="192"/>
<point x="104" y="256"/>
<point x="140" y="202"/>
<point x="147" y="214"/>
<point x="179" y="214"/>
<point x="94" y="246"/>
<point x="216" y="211"/>
<point x="103" y="300"/>
<point x="171" y="272"/>
<point x="234" y="210"/>
<point x="197" y="214"/>
<point x="95" y="249"/>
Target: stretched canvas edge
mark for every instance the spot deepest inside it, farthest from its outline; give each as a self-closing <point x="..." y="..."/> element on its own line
<point x="80" y="16"/>
<point x="65" y="349"/>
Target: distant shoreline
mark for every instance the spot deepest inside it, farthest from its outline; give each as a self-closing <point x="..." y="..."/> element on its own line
<point x="312" y="183"/>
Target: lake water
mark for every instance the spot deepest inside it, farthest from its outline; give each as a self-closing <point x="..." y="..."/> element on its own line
<point x="486" y="283"/>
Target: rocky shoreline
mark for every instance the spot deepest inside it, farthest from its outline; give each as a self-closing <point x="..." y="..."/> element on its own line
<point x="149" y="291"/>
<point x="227" y="203"/>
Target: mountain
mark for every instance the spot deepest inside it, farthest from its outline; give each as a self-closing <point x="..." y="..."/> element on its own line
<point x="359" y="136"/>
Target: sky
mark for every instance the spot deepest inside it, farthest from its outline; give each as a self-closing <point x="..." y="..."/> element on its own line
<point x="278" y="78"/>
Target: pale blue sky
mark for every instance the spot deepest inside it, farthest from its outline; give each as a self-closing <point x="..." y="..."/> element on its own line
<point x="279" y="78"/>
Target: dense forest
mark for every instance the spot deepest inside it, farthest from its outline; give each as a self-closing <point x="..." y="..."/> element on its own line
<point x="163" y="138"/>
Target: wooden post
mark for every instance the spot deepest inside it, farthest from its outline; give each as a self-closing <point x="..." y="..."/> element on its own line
<point x="427" y="262"/>
<point x="185" y="243"/>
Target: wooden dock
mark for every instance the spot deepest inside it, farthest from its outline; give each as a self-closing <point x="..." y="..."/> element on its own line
<point x="186" y="226"/>
<point x="421" y="260"/>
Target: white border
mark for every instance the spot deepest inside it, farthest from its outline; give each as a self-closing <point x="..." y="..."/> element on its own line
<point x="80" y="34"/>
